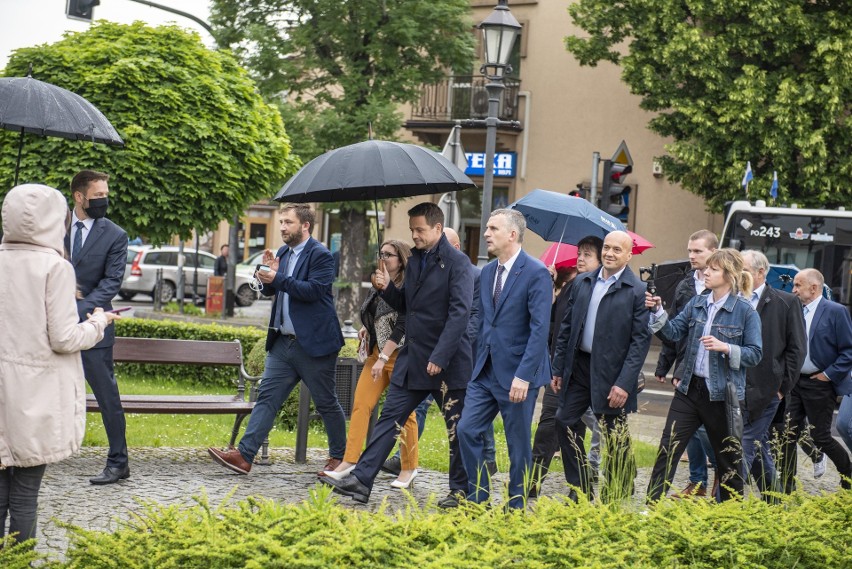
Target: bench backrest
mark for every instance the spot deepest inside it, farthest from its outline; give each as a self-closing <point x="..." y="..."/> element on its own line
<point x="192" y="352"/>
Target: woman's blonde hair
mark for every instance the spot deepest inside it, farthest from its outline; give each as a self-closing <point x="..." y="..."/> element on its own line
<point x="731" y="263"/>
<point x="404" y="252"/>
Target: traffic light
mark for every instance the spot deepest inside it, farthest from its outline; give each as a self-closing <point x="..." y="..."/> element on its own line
<point x="615" y="194"/>
<point x="81" y="9"/>
<point x="581" y="191"/>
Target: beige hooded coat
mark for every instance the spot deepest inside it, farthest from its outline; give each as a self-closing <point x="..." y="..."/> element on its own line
<point x="42" y="392"/>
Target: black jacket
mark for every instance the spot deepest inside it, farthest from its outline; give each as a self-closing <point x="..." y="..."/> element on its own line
<point x="783" y="328"/>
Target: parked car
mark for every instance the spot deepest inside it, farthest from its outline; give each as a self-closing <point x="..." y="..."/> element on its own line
<point x="140" y="276"/>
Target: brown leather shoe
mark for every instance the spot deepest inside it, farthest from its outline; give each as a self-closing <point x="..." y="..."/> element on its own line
<point x="230" y="459"/>
<point x="332" y="464"/>
<point x="691" y="490"/>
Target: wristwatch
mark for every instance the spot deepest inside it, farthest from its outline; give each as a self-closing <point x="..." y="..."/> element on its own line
<point x="383" y="357"/>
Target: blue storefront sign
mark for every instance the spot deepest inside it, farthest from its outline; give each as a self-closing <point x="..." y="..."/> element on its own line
<point x="504" y="164"/>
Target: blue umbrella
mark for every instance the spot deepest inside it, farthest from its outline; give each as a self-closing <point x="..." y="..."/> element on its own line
<point x="566" y="219"/>
<point x="781" y="276"/>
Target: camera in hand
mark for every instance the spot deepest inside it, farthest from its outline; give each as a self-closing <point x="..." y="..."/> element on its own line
<point x="648" y="276"/>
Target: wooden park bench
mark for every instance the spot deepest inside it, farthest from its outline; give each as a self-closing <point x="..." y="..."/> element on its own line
<point x="188" y="352"/>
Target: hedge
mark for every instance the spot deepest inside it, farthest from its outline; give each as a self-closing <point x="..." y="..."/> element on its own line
<point x="804" y="531"/>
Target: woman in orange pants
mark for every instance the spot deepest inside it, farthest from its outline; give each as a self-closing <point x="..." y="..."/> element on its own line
<point x="385" y="330"/>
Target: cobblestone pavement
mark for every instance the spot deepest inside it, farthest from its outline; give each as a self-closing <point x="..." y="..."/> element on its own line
<point x="176" y="475"/>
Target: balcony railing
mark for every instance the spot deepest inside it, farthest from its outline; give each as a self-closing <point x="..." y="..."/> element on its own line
<point x="462" y="97"/>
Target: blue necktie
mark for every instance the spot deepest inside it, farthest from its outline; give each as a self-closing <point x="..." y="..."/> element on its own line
<point x="78" y="239"/>
<point x="498" y="286"/>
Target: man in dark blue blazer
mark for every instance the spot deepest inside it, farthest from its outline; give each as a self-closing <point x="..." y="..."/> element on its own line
<point x="599" y="353"/>
<point x="436" y="297"/>
<point x="302" y="342"/>
<point x="512" y="360"/>
<point x="824" y="375"/>
<point x="98" y="250"/>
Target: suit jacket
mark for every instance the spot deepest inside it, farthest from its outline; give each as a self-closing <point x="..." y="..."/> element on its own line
<point x="830" y="344"/>
<point x="783" y="332"/>
<point x="514" y="333"/>
<point x="437" y="309"/>
<point x="99" y="267"/>
<point x="311" y="301"/>
<point x="475" y="316"/>
<point x="621" y="338"/>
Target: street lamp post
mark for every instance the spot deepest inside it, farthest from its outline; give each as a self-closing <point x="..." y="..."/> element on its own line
<point x="499" y="31"/>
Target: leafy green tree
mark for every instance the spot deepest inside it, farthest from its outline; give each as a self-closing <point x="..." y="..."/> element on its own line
<point x="733" y="81"/>
<point x="338" y="67"/>
<point x="201" y="144"/>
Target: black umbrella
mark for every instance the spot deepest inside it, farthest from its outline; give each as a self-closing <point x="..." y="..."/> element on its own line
<point x="36" y="107"/>
<point x="373" y="170"/>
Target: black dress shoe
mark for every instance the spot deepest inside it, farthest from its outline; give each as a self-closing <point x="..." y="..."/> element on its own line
<point x="452" y="500"/>
<point x="492" y="467"/>
<point x="111" y="475"/>
<point x="348" y="486"/>
<point x="393" y="465"/>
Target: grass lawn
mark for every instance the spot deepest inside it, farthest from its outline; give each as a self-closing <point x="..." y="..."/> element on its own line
<point x="214" y="430"/>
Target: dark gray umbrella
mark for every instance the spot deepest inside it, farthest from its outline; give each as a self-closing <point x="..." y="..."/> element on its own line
<point x="373" y="170"/>
<point x="36" y="107"/>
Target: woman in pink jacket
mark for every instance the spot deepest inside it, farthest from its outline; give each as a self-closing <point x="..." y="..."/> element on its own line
<point x="42" y="394"/>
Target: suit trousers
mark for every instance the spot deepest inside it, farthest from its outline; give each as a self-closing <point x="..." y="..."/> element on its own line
<point x="99" y="371"/>
<point x="484" y="399"/>
<point x="19" y="500"/>
<point x="367" y="395"/>
<point x="620" y="466"/>
<point x="546" y="442"/>
<point x="785" y="462"/>
<point x="813" y="400"/>
<point x="686" y="414"/>
<point x="756" y="447"/>
<point x="399" y="404"/>
<point x="287" y="363"/>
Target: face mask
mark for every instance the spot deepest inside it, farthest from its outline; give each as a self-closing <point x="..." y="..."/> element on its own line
<point x="97" y="208"/>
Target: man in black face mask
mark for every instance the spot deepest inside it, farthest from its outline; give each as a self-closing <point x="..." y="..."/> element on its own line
<point x="98" y="250"/>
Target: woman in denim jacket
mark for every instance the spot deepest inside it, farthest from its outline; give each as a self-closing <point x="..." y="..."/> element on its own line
<point x="717" y="352"/>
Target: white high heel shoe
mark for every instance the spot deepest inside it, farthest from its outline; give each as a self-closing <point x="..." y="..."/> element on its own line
<point x="404" y="485"/>
<point x="339" y="475"/>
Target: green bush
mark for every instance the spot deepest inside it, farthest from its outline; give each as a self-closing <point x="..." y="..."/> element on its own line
<point x="203" y="375"/>
<point x="805" y="531"/>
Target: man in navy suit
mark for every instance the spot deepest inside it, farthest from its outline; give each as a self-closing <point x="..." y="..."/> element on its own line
<point x="824" y="375"/>
<point x="599" y="353"/>
<point x="512" y="360"/>
<point x="99" y="254"/>
<point x="302" y="342"/>
<point x="436" y="297"/>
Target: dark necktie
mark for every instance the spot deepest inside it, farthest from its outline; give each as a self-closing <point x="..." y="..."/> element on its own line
<point x="498" y="286"/>
<point x="805" y="318"/>
<point x="78" y="239"/>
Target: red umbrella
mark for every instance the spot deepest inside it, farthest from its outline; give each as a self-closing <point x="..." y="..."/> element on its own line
<point x="639" y="243"/>
<point x="562" y="255"/>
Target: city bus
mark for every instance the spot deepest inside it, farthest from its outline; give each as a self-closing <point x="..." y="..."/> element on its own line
<point x="807" y="238"/>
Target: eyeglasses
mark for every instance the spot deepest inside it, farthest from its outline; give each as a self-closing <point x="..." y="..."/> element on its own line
<point x="384" y="255"/>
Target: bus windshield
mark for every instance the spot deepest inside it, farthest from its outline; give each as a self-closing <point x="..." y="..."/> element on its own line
<point x="808" y="239"/>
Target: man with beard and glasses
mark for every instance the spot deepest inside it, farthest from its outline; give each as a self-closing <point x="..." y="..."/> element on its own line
<point x="302" y="342"/>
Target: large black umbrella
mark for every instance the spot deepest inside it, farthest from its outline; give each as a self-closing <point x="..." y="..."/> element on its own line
<point x="373" y="170"/>
<point x="36" y="107"/>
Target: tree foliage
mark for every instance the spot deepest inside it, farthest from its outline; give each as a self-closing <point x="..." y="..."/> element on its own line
<point x="341" y="67"/>
<point x="345" y="64"/>
<point x="768" y="82"/>
<point x="201" y="145"/>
